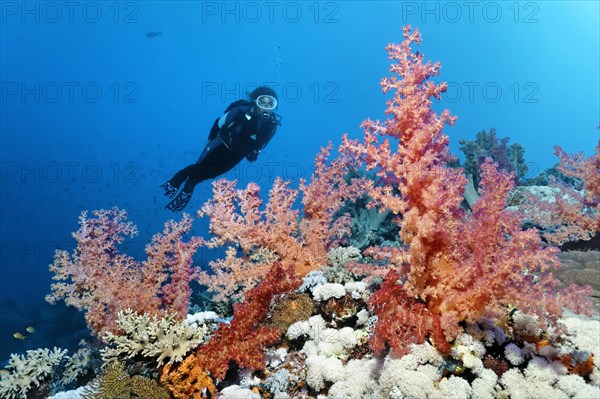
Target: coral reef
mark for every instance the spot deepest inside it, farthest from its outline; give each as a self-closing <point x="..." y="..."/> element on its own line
<point x="463" y="267"/>
<point x="237" y="220"/>
<point x="402" y="320"/>
<point x="289" y="309"/>
<point x="187" y="380"/>
<point x="79" y="366"/>
<point x="242" y="340"/>
<point x="458" y="305"/>
<point x="560" y="211"/>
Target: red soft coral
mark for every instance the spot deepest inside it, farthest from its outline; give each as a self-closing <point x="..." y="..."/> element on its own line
<point x="244" y="339"/>
<point x="402" y="320"/>
<point x="496" y="264"/>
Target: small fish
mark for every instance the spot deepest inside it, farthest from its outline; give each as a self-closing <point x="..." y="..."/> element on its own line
<point x="18" y="335"/>
<point x="151" y="35"/>
<point x="3" y="371"/>
<point x="30" y="329"/>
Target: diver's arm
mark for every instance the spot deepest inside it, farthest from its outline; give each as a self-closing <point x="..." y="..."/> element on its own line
<point x="269" y="137"/>
<point x="217" y="126"/>
<point x="253" y="155"/>
<point x="214" y="130"/>
<point x="221" y="120"/>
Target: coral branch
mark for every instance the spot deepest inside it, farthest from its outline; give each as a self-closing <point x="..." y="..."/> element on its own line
<point x="101" y="280"/>
<point x="244" y="339"/>
<point x="568" y="214"/>
<point x="402" y="320"/>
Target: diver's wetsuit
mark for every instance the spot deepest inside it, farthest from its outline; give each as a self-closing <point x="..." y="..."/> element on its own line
<point x="239" y="133"/>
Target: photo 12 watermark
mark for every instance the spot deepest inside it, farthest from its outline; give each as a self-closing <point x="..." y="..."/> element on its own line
<point x="491" y="92"/>
<point x="70" y="92"/>
<point x="20" y="254"/>
<point x="54" y="172"/>
<point x="518" y="12"/>
<point x="327" y="92"/>
<point x="70" y="12"/>
<point x="268" y="171"/>
<point x="252" y="12"/>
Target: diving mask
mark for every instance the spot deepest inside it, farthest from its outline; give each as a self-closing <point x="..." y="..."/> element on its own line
<point x="266" y="102"/>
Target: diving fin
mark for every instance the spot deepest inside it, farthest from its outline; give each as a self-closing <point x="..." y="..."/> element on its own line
<point x="179" y="202"/>
<point x="170" y="191"/>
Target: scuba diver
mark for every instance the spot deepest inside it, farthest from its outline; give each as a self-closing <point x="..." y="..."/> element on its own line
<point x="243" y="131"/>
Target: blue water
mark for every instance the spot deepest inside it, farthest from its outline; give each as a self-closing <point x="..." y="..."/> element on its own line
<point x="95" y="113"/>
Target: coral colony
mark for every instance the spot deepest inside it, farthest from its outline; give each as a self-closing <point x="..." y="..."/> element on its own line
<point x="384" y="284"/>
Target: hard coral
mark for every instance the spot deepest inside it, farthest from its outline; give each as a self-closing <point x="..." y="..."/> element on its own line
<point x="509" y="158"/>
<point x="160" y="340"/>
<point x="30" y="372"/>
<point x="289" y="309"/>
<point x="114" y="383"/>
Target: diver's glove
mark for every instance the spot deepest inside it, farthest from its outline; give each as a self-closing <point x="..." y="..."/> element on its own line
<point x="179" y="202"/>
<point x="252" y="156"/>
<point x="170" y="191"/>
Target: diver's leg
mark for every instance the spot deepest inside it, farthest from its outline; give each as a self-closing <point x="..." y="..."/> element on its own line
<point x="195" y="173"/>
<point x="214" y="164"/>
<point x="182" y="175"/>
<point x="172" y="186"/>
<point x="182" y="199"/>
<point x="214" y="161"/>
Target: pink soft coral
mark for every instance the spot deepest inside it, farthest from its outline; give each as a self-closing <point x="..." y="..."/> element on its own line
<point x="585" y="169"/>
<point x="461" y="267"/>
<point x="277" y="232"/>
<point x="101" y="280"/>
<point x="496" y="263"/>
<point x="569" y="214"/>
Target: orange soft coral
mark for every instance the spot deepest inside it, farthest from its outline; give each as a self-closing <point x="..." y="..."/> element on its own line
<point x="277" y="232"/>
<point x="461" y="266"/>
<point x="187" y="380"/>
<point x="583" y="368"/>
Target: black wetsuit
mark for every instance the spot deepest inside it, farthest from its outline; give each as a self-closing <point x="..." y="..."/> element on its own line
<point x="243" y="134"/>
